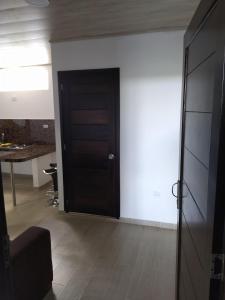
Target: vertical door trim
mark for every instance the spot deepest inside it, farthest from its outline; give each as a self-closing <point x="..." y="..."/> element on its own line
<point x="181" y="163"/>
<point x="217" y="286"/>
<point x="6" y="284"/>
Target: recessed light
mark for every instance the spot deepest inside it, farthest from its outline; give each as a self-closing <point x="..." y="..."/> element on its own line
<point x="38" y="3"/>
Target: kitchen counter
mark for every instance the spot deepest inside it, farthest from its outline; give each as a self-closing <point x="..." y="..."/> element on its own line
<point x="26" y="154"/>
<point x="34" y="152"/>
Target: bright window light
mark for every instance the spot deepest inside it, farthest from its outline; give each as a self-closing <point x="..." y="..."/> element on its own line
<point x="27" y="55"/>
<point x="24" y="79"/>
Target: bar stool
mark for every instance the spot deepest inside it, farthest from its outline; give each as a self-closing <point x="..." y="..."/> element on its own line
<point x="53" y="193"/>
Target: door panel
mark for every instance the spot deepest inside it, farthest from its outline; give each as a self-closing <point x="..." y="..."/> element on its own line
<point x="97" y="148"/>
<point x="202" y="172"/>
<point x="196" y="178"/>
<point x="91" y="199"/>
<point x="200" y="85"/>
<point x="92" y="154"/>
<point x="199" y="277"/>
<point x="91" y="132"/>
<point x="204" y="43"/>
<point x="90" y="117"/>
<point x="186" y="290"/>
<point x="198" y="135"/>
<point x="96" y="101"/>
<point x="197" y="225"/>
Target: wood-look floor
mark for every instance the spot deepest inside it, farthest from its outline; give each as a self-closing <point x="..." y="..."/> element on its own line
<point x="97" y="258"/>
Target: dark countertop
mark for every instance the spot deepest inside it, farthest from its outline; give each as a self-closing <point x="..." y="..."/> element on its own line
<point x="29" y="153"/>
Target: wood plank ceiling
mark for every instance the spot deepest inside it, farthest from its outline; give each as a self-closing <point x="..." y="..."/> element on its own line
<point x="78" y="19"/>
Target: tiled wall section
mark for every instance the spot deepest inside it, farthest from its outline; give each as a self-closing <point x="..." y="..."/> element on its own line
<point x="28" y="131"/>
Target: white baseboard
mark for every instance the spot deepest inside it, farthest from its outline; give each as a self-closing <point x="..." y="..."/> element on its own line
<point x="154" y="224"/>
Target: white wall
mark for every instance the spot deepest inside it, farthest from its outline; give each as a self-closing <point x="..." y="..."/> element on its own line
<point x="38" y="165"/>
<point x="28" y="104"/>
<point x="151" y="79"/>
<point x="24" y="168"/>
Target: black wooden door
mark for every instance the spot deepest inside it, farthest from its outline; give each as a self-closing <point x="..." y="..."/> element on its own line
<point x="90" y="139"/>
<point x="202" y="174"/>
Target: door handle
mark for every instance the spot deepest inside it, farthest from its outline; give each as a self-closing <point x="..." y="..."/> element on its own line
<point x="173" y="186"/>
<point x="177" y="195"/>
<point x="111" y="156"/>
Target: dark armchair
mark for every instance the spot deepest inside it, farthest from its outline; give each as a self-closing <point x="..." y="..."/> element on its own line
<point x="32" y="264"/>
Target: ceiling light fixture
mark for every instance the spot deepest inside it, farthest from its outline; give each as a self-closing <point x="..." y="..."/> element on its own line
<point x="38" y="3"/>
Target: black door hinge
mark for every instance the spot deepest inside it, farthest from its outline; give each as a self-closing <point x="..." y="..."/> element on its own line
<point x="217" y="266"/>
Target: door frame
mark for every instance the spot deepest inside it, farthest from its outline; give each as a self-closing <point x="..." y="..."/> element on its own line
<point x="6" y="283"/>
<point x="217" y="287"/>
<point x="62" y="94"/>
<point x="180" y="176"/>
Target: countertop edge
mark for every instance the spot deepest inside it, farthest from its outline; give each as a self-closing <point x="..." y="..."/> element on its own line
<point x="33" y="152"/>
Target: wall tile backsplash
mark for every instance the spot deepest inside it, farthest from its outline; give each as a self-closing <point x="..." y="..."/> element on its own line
<point x="28" y="131"/>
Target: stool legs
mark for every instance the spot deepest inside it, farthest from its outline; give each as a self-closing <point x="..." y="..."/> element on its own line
<point x="53" y="193"/>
